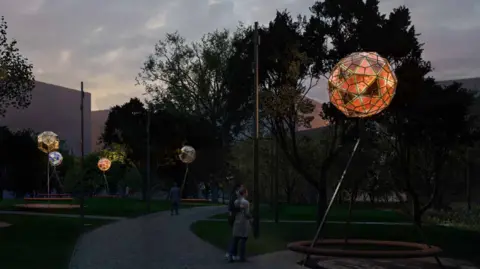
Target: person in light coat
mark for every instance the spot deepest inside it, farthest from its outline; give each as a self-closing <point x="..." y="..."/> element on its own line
<point x="241" y="227"/>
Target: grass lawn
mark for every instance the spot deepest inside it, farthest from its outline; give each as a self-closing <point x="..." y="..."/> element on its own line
<point x="117" y="207"/>
<point x="360" y="212"/>
<point x="456" y="243"/>
<point x="40" y="242"/>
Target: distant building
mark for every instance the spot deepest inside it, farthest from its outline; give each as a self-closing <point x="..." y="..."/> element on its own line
<point x="54" y="108"/>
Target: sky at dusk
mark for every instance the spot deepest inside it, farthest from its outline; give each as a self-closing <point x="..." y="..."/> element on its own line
<point x="104" y="43"/>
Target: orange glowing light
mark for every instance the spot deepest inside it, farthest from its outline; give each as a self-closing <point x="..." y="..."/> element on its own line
<point x="104" y="164"/>
<point x="362" y="84"/>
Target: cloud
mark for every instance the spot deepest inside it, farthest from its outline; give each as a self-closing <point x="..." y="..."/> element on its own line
<point x="157" y="21"/>
<point x="105" y="45"/>
<point x="65" y="56"/>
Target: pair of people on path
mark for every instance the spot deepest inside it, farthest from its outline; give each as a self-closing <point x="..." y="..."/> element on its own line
<point x="239" y="219"/>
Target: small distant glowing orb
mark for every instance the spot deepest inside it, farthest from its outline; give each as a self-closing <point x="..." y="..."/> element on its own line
<point x="187" y="154"/>
<point x="362" y="84"/>
<point x="48" y="142"/>
<point x="55" y="158"/>
<point x="104" y="164"/>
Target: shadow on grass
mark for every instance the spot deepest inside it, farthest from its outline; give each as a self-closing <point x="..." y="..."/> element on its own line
<point x="40" y="242"/>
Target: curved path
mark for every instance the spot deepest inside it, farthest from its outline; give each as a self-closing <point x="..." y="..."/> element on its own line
<point x="158" y="241"/>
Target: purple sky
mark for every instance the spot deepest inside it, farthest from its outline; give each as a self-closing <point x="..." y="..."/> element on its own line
<point x="105" y="42"/>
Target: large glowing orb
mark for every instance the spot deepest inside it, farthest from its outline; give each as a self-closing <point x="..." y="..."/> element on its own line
<point x="362" y="84"/>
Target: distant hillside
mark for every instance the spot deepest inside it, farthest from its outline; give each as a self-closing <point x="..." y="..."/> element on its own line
<point x="468" y="83"/>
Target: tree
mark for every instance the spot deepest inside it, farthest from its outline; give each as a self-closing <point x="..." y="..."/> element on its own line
<point x="16" y="77"/>
<point x="358" y="26"/>
<point x="126" y="126"/>
<point x="5" y="135"/>
<point x="428" y="142"/>
<point x="193" y="79"/>
<point x="26" y="166"/>
<point x="286" y="76"/>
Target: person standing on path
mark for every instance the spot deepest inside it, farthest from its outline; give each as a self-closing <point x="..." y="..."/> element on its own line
<point x="174" y="196"/>
<point x="232" y="211"/>
<point x="241" y="227"/>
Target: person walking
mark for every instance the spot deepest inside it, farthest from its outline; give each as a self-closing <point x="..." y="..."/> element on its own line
<point x="174" y="197"/>
<point x="241" y="227"/>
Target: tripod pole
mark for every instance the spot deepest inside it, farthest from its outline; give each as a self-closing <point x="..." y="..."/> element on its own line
<point x="184" y="181"/>
<point x="339" y="185"/>
<point x="48" y="178"/>
<point x="107" y="189"/>
<point x="60" y="184"/>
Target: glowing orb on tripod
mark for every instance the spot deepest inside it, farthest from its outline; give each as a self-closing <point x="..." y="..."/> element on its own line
<point x="104" y="164"/>
<point x="55" y="158"/>
<point x="48" y="141"/>
<point x="362" y="84"/>
<point x="187" y="154"/>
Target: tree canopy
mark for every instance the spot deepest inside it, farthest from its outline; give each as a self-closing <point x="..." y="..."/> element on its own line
<point x="16" y="77"/>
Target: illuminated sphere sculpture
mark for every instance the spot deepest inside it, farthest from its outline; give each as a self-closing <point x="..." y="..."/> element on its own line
<point x="55" y="158"/>
<point x="104" y="164"/>
<point x="362" y="84"/>
<point x="48" y="142"/>
<point x="187" y="154"/>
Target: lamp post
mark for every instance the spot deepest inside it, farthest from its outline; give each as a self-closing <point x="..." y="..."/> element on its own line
<point x="256" y="187"/>
<point x="82" y="150"/>
<point x="149" y="112"/>
<point x="275" y="199"/>
<point x="148" y="151"/>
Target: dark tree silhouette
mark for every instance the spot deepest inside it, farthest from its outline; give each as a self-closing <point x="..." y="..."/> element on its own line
<point x="16" y="77"/>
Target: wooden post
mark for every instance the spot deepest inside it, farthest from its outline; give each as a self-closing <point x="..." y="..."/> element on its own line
<point x="256" y="133"/>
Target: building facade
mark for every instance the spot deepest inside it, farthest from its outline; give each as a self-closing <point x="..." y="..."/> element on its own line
<point x="57" y="109"/>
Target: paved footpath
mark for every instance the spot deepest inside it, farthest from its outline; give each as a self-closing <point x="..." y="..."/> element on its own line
<point x="161" y="241"/>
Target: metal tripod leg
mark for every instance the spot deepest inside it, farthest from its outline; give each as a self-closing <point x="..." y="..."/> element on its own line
<point x="339" y="185"/>
<point x="107" y="189"/>
<point x="184" y="181"/>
